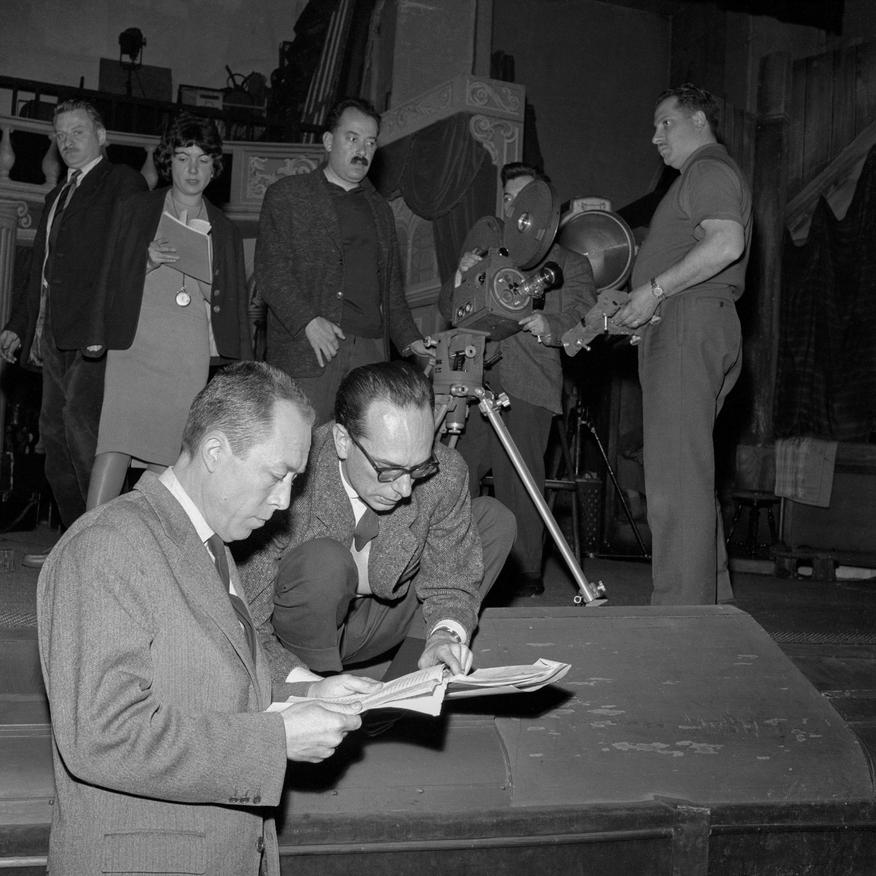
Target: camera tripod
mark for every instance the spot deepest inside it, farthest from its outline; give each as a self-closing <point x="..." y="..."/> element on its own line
<point x="457" y="380"/>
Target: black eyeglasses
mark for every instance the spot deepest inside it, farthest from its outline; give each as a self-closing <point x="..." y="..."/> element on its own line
<point x="386" y="474"/>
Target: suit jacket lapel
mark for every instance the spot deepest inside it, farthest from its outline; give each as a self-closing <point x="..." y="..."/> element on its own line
<point x="86" y="190"/>
<point x="197" y="576"/>
<point x="392" y="549"/>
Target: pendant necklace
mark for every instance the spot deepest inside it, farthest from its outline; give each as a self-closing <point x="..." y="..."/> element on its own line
<point x="183" y="299"/>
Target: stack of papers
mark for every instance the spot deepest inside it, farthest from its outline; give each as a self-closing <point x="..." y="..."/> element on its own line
<point x="424" y="690"/>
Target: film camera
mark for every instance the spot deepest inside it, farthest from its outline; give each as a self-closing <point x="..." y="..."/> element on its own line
<point x="495" y="294"/>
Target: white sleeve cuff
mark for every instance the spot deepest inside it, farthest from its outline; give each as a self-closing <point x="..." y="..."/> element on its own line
<point x="457" y="628"/>
<point x="300" y="673"/>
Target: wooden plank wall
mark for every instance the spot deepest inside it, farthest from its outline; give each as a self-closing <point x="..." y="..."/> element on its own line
<point x="833" y="99"/>
<point x="736" y="131"/>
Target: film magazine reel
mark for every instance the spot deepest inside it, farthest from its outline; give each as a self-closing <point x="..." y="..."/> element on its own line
<point x="609" y="245"/>
<point x="495" y="294"/>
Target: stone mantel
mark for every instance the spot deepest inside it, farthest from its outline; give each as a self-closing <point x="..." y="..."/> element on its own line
<point x="466" y="93"/>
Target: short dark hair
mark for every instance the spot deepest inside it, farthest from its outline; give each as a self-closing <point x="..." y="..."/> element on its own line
<point x="186" y="130"/>
<point x="357" y="103"/>
<point x="399" y="383"/>
<point x="74" y="104"/>
<point x="516" y="169"/>
<point x="239" y="402"/>
<point x="693" y="99"/>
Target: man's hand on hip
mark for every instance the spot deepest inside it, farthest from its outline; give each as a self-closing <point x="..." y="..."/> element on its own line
<point x="323" y="335"/>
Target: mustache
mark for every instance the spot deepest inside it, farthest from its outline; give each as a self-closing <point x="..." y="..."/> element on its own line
<point x="358" y="159"/>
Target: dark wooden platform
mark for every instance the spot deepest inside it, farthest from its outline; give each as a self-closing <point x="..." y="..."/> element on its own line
<point x="682" y="741"/>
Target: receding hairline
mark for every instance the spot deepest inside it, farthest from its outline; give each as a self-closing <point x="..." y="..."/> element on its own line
<point x="392" y="407"/>
<point x="264" y="430"/>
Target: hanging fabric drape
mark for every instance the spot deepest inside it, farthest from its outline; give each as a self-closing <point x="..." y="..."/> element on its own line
<point x="826" y="381"/>
<point x="445" y="176"/>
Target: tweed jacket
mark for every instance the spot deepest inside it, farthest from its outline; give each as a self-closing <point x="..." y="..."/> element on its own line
<point x="79" y="247"/>
<point x="120" y="291"/>
<point x="429" y="541"/>
<point x="164" y="759"/>
<point x="299" y="265"/>
<point x="528" y="369"/>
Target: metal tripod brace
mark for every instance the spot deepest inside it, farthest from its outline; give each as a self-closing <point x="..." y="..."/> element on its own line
<point x="458" y="377"/>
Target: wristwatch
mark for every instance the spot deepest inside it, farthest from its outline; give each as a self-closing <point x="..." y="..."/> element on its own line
<point x="657" y="290"/>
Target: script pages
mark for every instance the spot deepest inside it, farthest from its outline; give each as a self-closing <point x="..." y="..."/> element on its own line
<point x="192" y="245"/>
<point x="425" y="690"/>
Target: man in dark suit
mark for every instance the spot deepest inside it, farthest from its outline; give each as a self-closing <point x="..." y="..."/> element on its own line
<point x="165" y="758"/>
<point x="50" y="323"/>
<point x="383" y="540"/>
<point x="327" y="265"/>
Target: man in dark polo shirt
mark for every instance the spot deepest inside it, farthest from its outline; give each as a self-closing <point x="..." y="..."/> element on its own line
<point x="690" y="272"/>
<point x="327" y="265"/>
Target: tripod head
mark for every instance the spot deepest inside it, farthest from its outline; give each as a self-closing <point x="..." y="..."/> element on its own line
<point x="458" y="375"/>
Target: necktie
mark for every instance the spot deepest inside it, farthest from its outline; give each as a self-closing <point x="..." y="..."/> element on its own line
<point x="365" y="529"/>
<point x="217" y="548"/>
<point x="60" y="205"/>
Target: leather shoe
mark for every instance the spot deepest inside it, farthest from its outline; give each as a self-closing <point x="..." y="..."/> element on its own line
<point x="34" y="561"/>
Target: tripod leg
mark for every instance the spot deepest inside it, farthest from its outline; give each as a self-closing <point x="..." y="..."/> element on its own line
<point x="588" y="593"/>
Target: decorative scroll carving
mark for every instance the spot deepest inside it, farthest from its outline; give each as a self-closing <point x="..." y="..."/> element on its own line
<point x="500" y="137"/>
<point x="497" y="96"/>
<point x="262" y="171"/>
<point x="430" y="107"/>
<point x="22" y="211"/>
<point x="463" y="94"/>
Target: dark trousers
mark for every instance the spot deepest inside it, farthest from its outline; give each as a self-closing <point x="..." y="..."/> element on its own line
<point x="321" y="390"/>
<point x="529" y="426"/>
<point x="69" y="420"/>
<point x="688" y="364"/>
<point x="319" y="616"/>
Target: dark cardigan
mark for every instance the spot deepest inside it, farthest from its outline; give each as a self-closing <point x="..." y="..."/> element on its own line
<point x="120" y="291"/>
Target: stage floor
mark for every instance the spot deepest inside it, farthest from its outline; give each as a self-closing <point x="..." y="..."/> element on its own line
<point x="680" y="740"/>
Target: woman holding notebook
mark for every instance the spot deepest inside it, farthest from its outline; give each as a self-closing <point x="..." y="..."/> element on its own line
<point x="173" y="299"/>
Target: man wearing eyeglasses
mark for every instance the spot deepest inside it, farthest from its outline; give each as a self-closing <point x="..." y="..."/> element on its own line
<point x="384" y="541"/>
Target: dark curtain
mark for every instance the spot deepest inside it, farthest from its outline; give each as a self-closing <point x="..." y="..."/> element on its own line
<point x="826" y="382"/>
<point x="445" y="176"/>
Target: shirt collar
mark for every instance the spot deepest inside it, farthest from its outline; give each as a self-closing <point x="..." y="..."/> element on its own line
<point x="357" y="504"/>
<point x="84" y="170"/>
<point x="169" y="479"/>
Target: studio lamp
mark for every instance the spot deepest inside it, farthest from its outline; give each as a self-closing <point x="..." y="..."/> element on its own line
<point x="131" y="42"/>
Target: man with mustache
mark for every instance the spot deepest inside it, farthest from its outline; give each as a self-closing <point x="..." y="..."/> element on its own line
<point x="52" y="323"/>
<point x="327" y="265"/>
<point x="689" y="272"/>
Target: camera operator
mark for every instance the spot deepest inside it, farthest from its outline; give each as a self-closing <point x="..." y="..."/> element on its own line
<point x="531" y="374"/>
